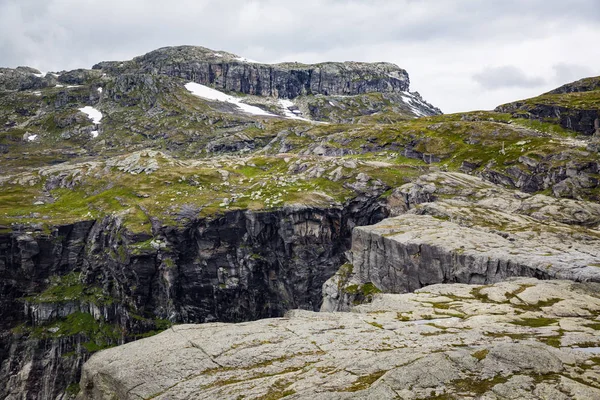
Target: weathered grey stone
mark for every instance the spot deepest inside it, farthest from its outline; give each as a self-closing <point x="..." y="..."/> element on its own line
<point x="408" y="345"/>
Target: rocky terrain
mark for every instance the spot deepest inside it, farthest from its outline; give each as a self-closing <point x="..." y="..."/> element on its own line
<point x="196" y="186"/>
<point x="454" y="227"/>
<point x="573" y="106"/>
<point x="524" y="339"/>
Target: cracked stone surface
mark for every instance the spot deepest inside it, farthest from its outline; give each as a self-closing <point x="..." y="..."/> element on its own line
<point x="522" y="338"/>
<point x="454" y="227"/>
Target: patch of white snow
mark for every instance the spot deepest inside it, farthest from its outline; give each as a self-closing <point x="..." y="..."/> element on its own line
<point x="99" y="90"/>
<point x="94" y="134"/>
<point x="212" y="94"/>
<point x="244" y="59"/>
<point x="40" y="75"/>
<point x="59" y="86"/>
<point x="412" y="102"/>
<point x="291" y="114"/>
<point x="92" y="114"/>
<point x="31" y="138"/>
<point x="218" y="55"/>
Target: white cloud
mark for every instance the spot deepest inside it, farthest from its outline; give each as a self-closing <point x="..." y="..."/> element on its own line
<point x="506" y="76"/>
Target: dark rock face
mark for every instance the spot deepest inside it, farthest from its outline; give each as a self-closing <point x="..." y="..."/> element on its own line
<point x="24" y="78"/>
<point x="241" y="266"/>
<point x="582" y="85"/>
<point x="584" y="121"/>
<point x="576" y="112"/>
<point x="289" y="80"/>
<point x="532" y="176"/>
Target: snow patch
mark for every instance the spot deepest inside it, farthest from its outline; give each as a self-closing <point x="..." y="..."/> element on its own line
<point x="212" y="94"/>
<point x="40" y="75"/>
<point x="31" y="138"/>
<point x="413" y="103"/>
<point x="94" y="134"/>
<point x="92" y="114"/>
<point x="59" y="86"/>
<point x="244" y="59"/>
<point x="37" y="93"/>
<point x="286" y="106"/>
<point x="397" y="75"/>
<point x="99" y="90"/>
<point x="218" y="55"/>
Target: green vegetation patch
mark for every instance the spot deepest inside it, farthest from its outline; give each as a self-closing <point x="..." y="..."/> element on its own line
<point x="68" y="288"/>
<point x="99" y="334"/>
<point x="535" y="322"/>
<point x="481" y="354"/>
<point x="364" y="382"/>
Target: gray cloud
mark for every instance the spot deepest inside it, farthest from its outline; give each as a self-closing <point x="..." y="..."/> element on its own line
<point x="571" y="72"/>
<point x="506" y="76"/>
<point x="442" y="44"/>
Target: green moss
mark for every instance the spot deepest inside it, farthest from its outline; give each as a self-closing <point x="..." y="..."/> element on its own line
<point x="477" y="386"/>
<point x="554" y="341"/>
<point x="278" y="391"/>
<point x="483" y="298"/>
<point x="100" y="334"/>
<point x="402" y="317"/>
<point x="481" y="354"/>
<point x="364" y="382"/>
<point x="578" y="100"/>
<point x="375" y="324"/>
<point x="68" y="288"/>
<point x="351" y="289"/>
<point x="535" y="322"/>
<point x="538" y="306"/>
<point x="72" y="389"/>
<point x="369" y="289"/>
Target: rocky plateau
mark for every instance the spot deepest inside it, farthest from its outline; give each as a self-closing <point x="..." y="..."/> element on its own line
<point x="293" y="230"/>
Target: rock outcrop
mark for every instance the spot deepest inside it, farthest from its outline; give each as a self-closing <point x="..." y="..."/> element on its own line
<point x="523" y="339"/>
<point x="574" y="106"/>
<point x="458" y="228"/>
<point x="229" y="72"/>
<point x="24" y="78"/>
<point x="92" y="284"/>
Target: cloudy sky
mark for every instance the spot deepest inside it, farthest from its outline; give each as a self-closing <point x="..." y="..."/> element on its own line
<point x="461" y="54"/>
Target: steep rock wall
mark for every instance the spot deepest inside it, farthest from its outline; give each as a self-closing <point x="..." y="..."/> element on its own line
<point x="232" y="73"/>
<point x="114" y="286"/>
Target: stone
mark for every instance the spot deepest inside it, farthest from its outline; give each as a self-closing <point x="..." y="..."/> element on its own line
<point x="398" y="345"/>
<point x="452" y="227"/>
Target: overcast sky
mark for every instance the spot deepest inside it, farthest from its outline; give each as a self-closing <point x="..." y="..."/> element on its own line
<point x="461" y="54"/>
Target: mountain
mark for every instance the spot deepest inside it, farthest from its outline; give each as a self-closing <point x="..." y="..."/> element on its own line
<point x="190" y="186"/>
<point x="574" y="106"/>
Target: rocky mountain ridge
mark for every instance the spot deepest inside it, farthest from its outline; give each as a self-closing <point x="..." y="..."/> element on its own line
<point x="574" y="106"/>
<point x="129" y="202"/>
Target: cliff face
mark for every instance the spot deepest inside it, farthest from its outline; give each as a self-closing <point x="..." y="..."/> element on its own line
<point x="574" y="106"/>
<point x="288" y="80"/>
<point x="458" y="228"/>
<point x="115" y="287"/>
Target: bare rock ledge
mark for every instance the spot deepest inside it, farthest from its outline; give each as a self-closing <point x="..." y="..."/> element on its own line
<point x="523" y="338"/>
